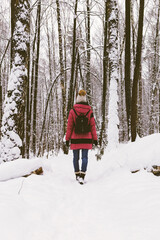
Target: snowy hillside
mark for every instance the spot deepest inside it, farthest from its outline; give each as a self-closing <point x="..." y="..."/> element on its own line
<point x="114" y="204"/>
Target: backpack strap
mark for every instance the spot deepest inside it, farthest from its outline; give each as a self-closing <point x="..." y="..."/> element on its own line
<point x="87" y="112"/>
<point x="75" y="112"/>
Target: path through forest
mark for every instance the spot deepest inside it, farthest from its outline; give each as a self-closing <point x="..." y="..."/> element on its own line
<point x="113" y="204"/>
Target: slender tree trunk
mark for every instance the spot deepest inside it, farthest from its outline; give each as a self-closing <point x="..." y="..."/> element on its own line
<point x="30" y="90"/>
<point x="62" y="69"/>
<point x="140" y="107"/>
<point x="27" y="123"/>
<point x="36" y="80"/>
<point x="127" y="64"/>
<point x="51" y="107"/>
<point x="70" y="92"/>
<point x="46" y="107"/>
<point x="88" y="38"/>
<point x="154" y="116"/>
<point x="113" y="119"/>
<point x="123" y="135"/>
<point x="105" y="68"/>
<point x="133" y="32"/>
<point x="137" y="73"/>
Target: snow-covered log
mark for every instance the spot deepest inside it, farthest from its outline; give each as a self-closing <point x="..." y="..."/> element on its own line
<point x="20" y="168"/>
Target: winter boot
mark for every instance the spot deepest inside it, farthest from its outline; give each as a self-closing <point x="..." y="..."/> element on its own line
<point x="78" y="174"/>
<point x="82" y="176"/>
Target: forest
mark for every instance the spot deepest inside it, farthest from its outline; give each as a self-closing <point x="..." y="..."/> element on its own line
<point x="49" y="49"/>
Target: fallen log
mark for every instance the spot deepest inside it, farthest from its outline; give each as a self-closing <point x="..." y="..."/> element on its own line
<point x="38" y="171"/>
<point x="156" y="170"/>
<point x="20" y="168"/>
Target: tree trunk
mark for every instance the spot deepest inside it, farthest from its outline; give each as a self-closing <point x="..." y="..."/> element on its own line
<point x="127" y="64"/>
<point x="70" y="92"/>
<point x="105" y="68"/>
<point x="36" y="80"/>
<point x="88" y="78"/>
<point x="62" y="71"/>
<point x="15" y="100"/>
<point x="113" y="119"/>
<point x="137" y="74"/>
<point x="30" y="91"/>
<point x="154" y="116"/>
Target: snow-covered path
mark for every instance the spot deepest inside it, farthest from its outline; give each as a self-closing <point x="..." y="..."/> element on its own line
<point x="113" y="204"/>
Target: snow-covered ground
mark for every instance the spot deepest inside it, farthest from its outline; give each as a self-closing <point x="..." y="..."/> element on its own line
<point x="114" y="204"/>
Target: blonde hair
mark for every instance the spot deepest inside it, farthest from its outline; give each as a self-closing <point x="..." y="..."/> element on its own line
<point x="82" y="93"/>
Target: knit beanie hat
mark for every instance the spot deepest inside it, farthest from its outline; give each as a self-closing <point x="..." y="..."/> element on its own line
<point x="81" y="96"/>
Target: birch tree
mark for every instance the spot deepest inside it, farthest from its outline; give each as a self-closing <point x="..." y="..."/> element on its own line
<point x="113" y="120"/>
<point x="14" y="109"/>
<point x="61" y="67"/>
<point x="105" y="76"/>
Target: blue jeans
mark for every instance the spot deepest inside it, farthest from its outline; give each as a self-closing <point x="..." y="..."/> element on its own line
<point x="84" y="160"/>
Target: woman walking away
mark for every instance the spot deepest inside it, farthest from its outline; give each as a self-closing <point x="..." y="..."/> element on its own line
<point x="81" y="131"/>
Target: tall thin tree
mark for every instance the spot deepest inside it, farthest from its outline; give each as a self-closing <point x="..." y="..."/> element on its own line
<point x="70" y="92"/>
<point x="62" y="69"/>
<point x="105" y="69"/>
<point x="154" y="116"/>
<point x="113" y="119"/>
<point x="88" y="38"/>
<point x="128" y="63"/>
<point x="137" y="73"/>
<point x="36" y="80"/>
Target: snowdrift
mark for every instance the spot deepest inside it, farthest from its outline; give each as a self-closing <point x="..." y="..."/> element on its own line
<point x="142" y="154"/>
<point x="55" y="206"/>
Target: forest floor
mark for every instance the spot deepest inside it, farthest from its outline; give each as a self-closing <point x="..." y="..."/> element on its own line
<point x="113" y="204"/>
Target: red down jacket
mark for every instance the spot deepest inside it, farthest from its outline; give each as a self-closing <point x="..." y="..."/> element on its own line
<point x="81" y="141"/>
